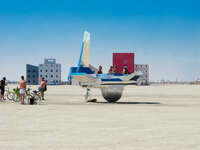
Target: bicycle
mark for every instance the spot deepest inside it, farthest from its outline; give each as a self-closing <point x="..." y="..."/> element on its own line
<point x="17" y="95"/>
<point x="33" y="95"/>
<point x="9" y="94"/>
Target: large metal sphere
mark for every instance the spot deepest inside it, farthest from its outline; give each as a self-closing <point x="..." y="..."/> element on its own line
<point x="112" y="94"/>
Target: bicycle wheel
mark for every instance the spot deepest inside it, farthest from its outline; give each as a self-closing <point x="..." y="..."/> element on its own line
<point x="17" y="98"/>
<point x="11" y="95"/>
<point x="27" y="97"/>
<point x="5" y="95"/>
<point x="37" y="98"/>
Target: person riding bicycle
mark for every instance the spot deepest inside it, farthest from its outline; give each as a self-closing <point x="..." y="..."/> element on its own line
<point x="2" y="87"/>
<point x="43" y="87"/>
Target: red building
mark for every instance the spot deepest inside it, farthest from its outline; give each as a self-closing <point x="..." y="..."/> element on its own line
<point x="124" y="59"/>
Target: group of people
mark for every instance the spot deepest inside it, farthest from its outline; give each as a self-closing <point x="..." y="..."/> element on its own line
<point x="43" y="84"/>
<point x="113" y="70"/>
<point x="22" y="91"/>
<point x="22" y="88"/>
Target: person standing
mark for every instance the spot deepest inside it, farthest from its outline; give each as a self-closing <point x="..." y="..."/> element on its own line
<point x="115" y="70"/>
<point x="22" y="90"/>
<point x="43" y="87"/>
<point x="110" y="71"/>
<point x="2" y="87"/>
<point x="99" y="70"/>
<point x="125" y="70"/>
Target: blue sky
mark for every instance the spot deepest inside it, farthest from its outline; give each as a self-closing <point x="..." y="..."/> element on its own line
<point x="163" y="34"/>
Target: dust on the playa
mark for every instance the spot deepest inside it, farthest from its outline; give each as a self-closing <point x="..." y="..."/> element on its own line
<point x="154" y="117"/>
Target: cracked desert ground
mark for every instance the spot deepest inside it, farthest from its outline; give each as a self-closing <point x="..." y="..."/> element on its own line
<point x="156" y="117"/>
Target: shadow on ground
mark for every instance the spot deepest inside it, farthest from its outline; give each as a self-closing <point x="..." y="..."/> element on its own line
<point x="127" y="103"/>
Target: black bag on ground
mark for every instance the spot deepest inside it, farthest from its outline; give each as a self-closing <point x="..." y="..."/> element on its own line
<point x="32" y="101"/>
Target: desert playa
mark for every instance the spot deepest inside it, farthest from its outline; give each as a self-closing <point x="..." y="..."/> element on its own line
<point x="156" y="117"/>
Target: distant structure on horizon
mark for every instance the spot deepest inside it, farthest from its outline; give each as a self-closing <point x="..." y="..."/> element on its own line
<point x="124" y="59"/>
<point x="144" y="68"/>
<point x="51" y="71"/>
<point x="32" y="75"/>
